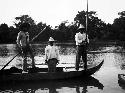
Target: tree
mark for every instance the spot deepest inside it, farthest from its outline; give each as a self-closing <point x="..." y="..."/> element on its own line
<point x="22" y="19"/>
<point x="65" y="32"/>
<point x="34" y="29"/>
<point x="95" y="25"/>
<point x="4" y="33"/>
<point x="118" y="26"/>
<point x="13" y="34"/>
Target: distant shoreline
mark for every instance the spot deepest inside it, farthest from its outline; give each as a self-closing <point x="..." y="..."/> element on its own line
<point x="73" y="43"/>
<point x="91" y="43"/>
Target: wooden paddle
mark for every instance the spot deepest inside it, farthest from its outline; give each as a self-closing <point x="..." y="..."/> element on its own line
<point x="19" y="52"/>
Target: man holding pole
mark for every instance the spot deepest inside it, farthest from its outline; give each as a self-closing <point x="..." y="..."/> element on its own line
<point x="23" y="44"/>
<point x="81" y="41"/>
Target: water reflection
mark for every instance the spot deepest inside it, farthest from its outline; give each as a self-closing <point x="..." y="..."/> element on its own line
<point x="120" y="60"/>
<point x="77" y="85"/>
<point x="114" y="64"/>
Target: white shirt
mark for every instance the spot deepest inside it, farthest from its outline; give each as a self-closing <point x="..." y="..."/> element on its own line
<point x="51" y="52"/>
<point x="79" y="38"/>
<point x="22" y="38"/>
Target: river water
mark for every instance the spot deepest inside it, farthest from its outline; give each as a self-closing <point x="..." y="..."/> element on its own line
<point x="103" y="81"/>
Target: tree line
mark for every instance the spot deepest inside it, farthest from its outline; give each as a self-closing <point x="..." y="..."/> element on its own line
<point x="98" y="30"/>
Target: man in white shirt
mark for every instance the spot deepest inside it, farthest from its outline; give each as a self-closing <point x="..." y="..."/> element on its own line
<point x="51" y="55"/>
<point x="23" y="44"/>
<point x="80" y="39"/>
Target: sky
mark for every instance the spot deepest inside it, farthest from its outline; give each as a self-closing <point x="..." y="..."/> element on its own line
<point x="53" y="12"/>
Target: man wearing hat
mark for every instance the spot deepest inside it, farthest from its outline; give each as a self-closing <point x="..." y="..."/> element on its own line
<point x="51" y="55"/>
<point x="23" y="44"/>
<point x="81" y="39"/>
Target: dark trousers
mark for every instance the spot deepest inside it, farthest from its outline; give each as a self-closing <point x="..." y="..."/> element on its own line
<point x="27" y="50"/>
<point x="52" y="64"/>
<point x="81" y="52"/>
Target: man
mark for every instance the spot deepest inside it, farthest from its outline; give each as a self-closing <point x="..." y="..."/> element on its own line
<point x="80" y="39"/>
<point x="51" y="55"/>
<point x="23" y="44"/>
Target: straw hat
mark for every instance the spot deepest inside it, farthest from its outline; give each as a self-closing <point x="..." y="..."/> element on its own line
<point x="81" y="27"/>
<point x="51" y="39"/>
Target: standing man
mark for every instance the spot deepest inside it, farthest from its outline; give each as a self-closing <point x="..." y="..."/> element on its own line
<point x="51" y="55"/>
<point x="23" y="44"/>
<point x="81" y="40"/>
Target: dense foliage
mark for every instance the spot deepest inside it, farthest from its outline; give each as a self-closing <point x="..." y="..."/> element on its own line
<point x="65" y="31"/>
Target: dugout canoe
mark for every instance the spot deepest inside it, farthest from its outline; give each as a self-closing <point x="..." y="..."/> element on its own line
<point x="121" y="80"/>
<point x="14" y="74"/>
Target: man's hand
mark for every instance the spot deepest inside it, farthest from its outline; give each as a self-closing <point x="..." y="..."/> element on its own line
<point x="57" y="62"/>
<point x="46" y="62"/>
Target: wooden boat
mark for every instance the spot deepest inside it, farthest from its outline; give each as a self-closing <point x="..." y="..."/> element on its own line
<point x="121" y="80"/>
<point x="42" y="74"/>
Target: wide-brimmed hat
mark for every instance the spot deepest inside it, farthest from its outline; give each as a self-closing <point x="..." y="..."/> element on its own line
<point x="81" y="27"/>
<point x="51" y="39"/>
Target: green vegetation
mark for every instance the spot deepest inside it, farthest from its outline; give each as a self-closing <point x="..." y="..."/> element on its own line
<point x="97" y="29"/>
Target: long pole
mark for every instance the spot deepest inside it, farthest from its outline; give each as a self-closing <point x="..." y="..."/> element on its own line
<point x="85" y="67"/>
<point x="37" y="35"/>
<point x="19" y="52"/>
<point x="87" y="20"/>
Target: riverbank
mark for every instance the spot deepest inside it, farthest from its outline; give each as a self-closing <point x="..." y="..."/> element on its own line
<point x="94" y="43"/>
<point x="91" y="43"/>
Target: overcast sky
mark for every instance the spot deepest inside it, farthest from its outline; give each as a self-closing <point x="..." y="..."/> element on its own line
<point x="53" y="12"/>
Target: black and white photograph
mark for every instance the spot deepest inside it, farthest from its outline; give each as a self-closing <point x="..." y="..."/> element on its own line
<point x="62" y="46"/>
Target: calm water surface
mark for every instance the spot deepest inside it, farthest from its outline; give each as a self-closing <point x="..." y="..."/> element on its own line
<point x="103" y="81"/>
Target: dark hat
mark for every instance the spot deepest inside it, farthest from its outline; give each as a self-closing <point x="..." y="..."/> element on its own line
<point x="24" y="25"/>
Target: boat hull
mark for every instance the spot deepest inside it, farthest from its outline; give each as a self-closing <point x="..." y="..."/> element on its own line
<point x="48" y="76"/>
<point x="121" y="80"/>
<point x="75" y="83"/>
